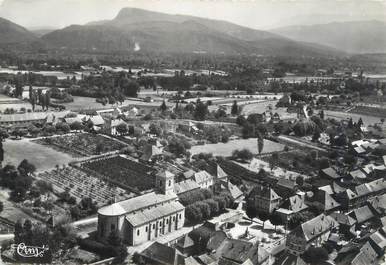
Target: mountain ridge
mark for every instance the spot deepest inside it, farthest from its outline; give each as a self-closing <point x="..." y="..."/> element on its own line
<point x="367" y="36"/>
<point x="160" y="32"/>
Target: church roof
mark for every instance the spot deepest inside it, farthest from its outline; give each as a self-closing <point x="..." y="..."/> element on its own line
<point x="136" y="203"/>
<point x="145" y="216"/>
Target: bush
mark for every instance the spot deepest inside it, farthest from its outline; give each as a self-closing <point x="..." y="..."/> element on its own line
<point x="315" y="255"/>
<point x="96" y="247"/>
<point x="243" y="154"/>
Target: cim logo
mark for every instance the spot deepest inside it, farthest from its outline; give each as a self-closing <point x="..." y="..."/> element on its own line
<point x="29" y="251"/>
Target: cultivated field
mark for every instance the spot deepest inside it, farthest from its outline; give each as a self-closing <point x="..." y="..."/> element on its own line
<point x="221" y="149"/>
<point x="122" y="171"/>
<point x="42" y="157"/>
<point x="83" y="144"/>
<point x="81" y="184"/>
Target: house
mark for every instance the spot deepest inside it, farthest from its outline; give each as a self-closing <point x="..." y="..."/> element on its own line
<point x="203" y="179"/>
<point x="234" y="251"/>
<point x="378" y="242"/>
<point x="330" y="173"/>
<point x="364" y="191"/>
<point x="236" y="194"/>
<point x="111" y="126"/>
<point x="358" y="175"/>
<point x="377" y="186"/>
<point x="367" y="255"/>
<point x="264" y="199"/>
<point x="311" y="233"/>
<point x="215" y="170"/>
<point x="323" y="201"/>
<point x="362" y="214"/>
<point x="145" y="217"/>
<point x="96" y="120"/>
<point x="296" y="204"/>
<point x="286" y="187"/>
<point x="160" y="254"/>
<point x="185" y="186"/>
<point x="285" y="258"/>
<point x="356" y="254"/>
<point x="346" y="222"/>
<point x="378" y="204"/>
<point x="150" y="152"/>
<point x="291" y="206"/>
<point x="186" y="245"/>
<point x="348" y="199"/>
<point x="23" y="119"/>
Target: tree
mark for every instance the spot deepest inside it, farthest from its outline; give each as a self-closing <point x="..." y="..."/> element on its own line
<point x="235" y="108"/>
<point x="251" y="212"/>
<point x="315" y="255"/>
<point x="200" y="111"/>
<point x="114" y="239"/>
<point x="47" y="99"/>
<point x="260" y="143"/>
<point x="122" y="128"/>
<point x="63" y="127"/>
<point x="1" y="152"/>
<point x="120" y="254"/>
<point x="241" y="120"/>
<point x="33" y="130"/>
<point x="76" y="125"/>
<point x="263" y="216"/>
<point x="321" y="114"/>
<point x="274" y="160"/>
<point x="300" y="181"/>
<point x="193" y="213"/>
<point x="275" y="219"/>
<point x="316" y="136"/>
<point x="163" y="106"/>
<point x="155" y="129"/>
<point x="26" y="167"/>
<point x="243" y="154"/>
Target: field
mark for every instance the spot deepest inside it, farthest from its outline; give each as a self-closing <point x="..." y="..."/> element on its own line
<point x="221" y="149"/>
<point x="338" y="115"/>
<point x="83" y="144"/>
<point x="42" y="157"/>
<point x="123" y="172"/>
<point x="80" y="184"/>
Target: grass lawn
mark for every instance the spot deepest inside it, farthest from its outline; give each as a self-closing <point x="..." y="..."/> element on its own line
<point x="221" y="149"/>
<point x="43" y="157"/>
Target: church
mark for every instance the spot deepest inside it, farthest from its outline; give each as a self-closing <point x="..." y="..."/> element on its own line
<point x="145" y="217"/>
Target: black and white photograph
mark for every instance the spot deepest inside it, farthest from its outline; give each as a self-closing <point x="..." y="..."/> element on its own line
<point x="193" y="132"/>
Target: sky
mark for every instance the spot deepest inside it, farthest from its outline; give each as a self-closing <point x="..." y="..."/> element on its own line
<point x="258" y="14"/>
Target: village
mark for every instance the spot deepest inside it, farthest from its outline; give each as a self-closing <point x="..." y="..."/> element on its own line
<point x="291" y="173"/>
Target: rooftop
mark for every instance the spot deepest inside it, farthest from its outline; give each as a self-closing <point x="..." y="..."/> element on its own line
<point x="135" y="204"/>
<point x="145" y="216"/>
